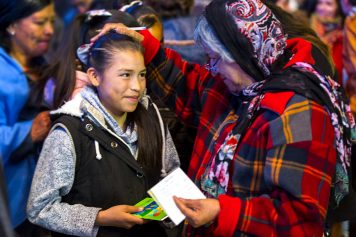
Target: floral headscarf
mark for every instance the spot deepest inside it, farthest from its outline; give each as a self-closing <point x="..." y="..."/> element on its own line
<point x="251" y="33"/>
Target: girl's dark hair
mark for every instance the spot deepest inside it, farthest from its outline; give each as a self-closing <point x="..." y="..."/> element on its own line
<point x="106" y="47"/>
<point x="149" y="137"/>
<point x="63" y="67"/>
<point x="102" y="53"/>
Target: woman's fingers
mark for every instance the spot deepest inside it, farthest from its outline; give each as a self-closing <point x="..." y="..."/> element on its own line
<point x="119" y="28"/>
<point x="185" y="206"/>
<point x="200" y="211"/>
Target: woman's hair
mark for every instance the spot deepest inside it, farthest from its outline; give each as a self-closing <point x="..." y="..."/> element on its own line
<point x="146" y="120"/>
<point x="205" y="36"/>
<point x="14" y="10"/>
<point x="64" y="66"/>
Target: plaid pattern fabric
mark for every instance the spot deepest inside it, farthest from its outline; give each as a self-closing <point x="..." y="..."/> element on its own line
<point x="282" y="170"/>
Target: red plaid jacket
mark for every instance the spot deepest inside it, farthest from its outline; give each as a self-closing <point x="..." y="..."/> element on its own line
<point x="282" y="170"/>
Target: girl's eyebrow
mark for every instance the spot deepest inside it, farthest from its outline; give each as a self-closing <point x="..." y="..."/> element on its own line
<point x="130" y="70"/>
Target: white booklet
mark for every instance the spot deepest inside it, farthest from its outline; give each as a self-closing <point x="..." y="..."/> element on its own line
<point x="176" y="183"/>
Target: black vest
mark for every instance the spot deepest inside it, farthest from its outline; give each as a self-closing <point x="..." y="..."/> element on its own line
<point x="115" y="179"/>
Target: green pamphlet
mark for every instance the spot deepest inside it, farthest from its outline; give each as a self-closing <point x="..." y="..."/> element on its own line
<point x="151" y="210"/>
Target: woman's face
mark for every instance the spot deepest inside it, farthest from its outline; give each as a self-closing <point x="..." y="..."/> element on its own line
<point x="234" y="77"/>
<point x="326" y="8"/>
<point x="32" y="35"/>
<point x="123" y="83"/>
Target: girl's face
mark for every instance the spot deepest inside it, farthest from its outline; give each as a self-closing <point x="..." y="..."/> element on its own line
<point x="234" y="77"/>
<point x="326" y="8"/>
<point x="123" y="83"/>
<point x="32" y="35"/>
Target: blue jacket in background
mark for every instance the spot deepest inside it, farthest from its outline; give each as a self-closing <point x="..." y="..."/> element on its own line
<point x="14" y="93"/>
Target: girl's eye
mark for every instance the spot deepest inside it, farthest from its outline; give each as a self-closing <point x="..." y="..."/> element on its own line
<point x="125" y="75"/>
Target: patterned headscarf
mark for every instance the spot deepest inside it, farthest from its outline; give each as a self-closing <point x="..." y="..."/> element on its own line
<point x="249" y="30"/>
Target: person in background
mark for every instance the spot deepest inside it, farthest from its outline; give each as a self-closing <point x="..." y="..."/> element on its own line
<point x="327" y="21"/>
<point x="178" y="27"/>
<point x="305" y="10"/>
<point x="274" y="128"/>
<point x="349" y="50"/>
<point x="108" y="145"/>
<point x="284" y="4"/>
<point x="26" y="28"/>
<point x="146" y="16"/>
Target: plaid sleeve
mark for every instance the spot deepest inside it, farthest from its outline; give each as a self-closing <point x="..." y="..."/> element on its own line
<point x="299" y="165"/>
<point x="185" y="87"/>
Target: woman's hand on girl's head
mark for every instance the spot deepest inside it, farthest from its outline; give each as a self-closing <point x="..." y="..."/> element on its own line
<point x="119" y="216"/>
<point x="119" y="28"/>
<point x="200" y="211"/>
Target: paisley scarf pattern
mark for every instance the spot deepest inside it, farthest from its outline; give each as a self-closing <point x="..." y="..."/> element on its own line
<point x="258" y="24"/>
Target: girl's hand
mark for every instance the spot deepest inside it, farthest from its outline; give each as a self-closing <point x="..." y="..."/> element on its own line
<point x="119" y="28"/>
<point x="119" y="216"/>
<point x="198" y="212"/>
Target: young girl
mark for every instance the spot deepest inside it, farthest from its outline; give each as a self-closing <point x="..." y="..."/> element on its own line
<point x="105" y="150"/>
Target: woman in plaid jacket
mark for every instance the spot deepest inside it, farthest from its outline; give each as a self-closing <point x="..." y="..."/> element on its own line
<point x="273" y="128"/>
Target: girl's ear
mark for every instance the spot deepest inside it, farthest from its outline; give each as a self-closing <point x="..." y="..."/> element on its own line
<point x="93" y="76"/>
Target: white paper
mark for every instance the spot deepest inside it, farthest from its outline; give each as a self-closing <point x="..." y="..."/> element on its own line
<point x="177" y="183"/>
